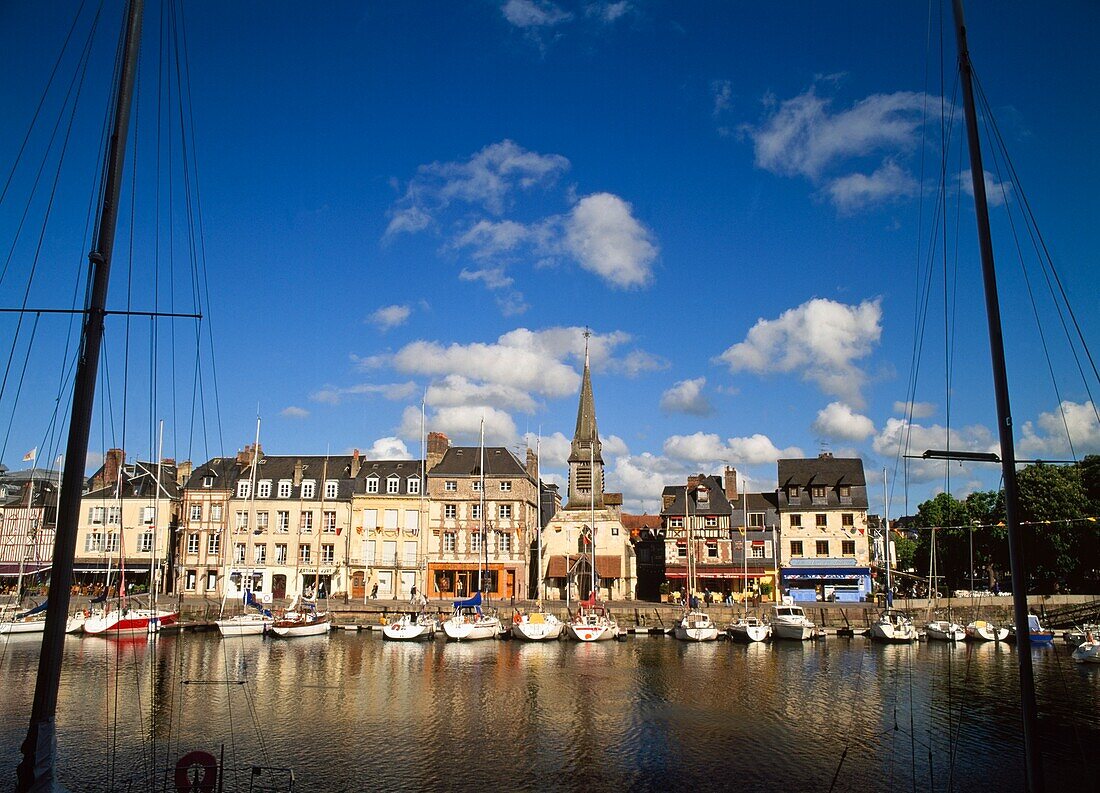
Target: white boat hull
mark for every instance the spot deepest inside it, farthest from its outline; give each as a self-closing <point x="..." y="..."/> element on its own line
<point x="404" y="630"/>
<point x="292" y="629"/>
<point x="593" y="633"/>
<point x="944" y="632"/>
<point x="798" y="633"/>
<point x="22" y="626"/>
<point x="695" y="627"/>
<point x="129" y="621"/>
<point x="985" y="632"/>
<point x="893" y="630"/>
<point x="1087" y="653"/>
<point x="459" y="630"/>
<point x="244" y="625"/>
<point x="548" y="630"/>
<point x="743" y="632"/>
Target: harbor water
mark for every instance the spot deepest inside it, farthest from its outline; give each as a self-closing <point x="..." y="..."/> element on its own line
<point x="352" y="712"/>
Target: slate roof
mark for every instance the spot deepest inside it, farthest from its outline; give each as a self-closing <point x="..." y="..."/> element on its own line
<point x="223" y="469"/>
<point x="139" y="481"/>
<point x="827" y="471"/>
<point x="316" y="468"/>
<point x="718" y="505"/>
<point x="466" y="461"/>
<point x="384" y="469"/>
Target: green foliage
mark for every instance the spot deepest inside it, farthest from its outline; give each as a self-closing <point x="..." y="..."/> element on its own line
<point x="905" y="549"/>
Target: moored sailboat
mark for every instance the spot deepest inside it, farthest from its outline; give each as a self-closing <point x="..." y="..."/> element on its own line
<point x="746" y="628"/>
<point x="984" y="631"/>
<point x="944" y="631"/>
<point x="301" y="620"/>
<point x="410" y="627"/>
<point x="252" y="623"/>
<point x="30" y="621"/>
<point x="891" y="626"/>
<point x="538" y="625"/>
<point x="592" y="622"/>
<point x="695" y="625"/>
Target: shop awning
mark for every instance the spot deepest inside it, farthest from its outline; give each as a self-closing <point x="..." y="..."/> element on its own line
<point x="606" y="566"/>
<point x="824" y="573"/>
<point x="29" y="568"/>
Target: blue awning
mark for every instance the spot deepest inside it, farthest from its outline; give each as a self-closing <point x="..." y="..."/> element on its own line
<point x="826" y="573"/>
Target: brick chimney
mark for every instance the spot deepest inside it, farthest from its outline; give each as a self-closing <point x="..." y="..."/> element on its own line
<point x="244" y="457"/>
<point x="532" y="463"/>
<point x="183" y="472"/>
<point x="356" y="463"/>
<point x="694" y="480"/>
<point x="297" y="473"/>
<point x="438" y="444"/>
<point x="112" y="464"/>
<point x="729" y="483"/>
<point x="825" y="456"/>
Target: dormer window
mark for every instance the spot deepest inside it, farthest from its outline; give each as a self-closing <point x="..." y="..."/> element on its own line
<point x="393" y="485"/>
<point x="817" y="492"/>
<point x="792" y="493"/>
<point x="309" y="488"/>
<point x="331" y="488"/>
<point x="414" y="485"/>
<point x="702" y="496"/>
<point x="284" y="488"/>
<point x="372" y="484"/>
<point x="845" y="492"/>
<point x="208" y="481"/>
<point x="244" y="488"/>
<point x="264" y="489"/>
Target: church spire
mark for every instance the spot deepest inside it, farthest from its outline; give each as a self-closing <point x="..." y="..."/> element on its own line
<point x="585" y="459"/>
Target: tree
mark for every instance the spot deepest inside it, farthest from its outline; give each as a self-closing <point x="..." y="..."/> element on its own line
<point x="1053" y="504"/>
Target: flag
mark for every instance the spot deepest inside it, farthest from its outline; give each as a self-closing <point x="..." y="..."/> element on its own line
<point x="29" y="456"/>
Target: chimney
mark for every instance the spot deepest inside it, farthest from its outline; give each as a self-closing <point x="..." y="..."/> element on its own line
<point x="356" y="463"/>
<point x="183" y="472"/>
<point x="667" y="502"/>
<point x="438" y="444"/>
<point x="532" y="463"/>
<point x="166" y="461"/>
<point x="825" y="456"/>
<point x="112" y="464"/>
<point x="694" y="480"/>
<point x="729" y="482"/>
<point x="297" y="473"/>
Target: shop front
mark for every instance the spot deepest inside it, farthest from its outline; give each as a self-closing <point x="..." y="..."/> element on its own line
<point x="724" y="581"/>
<point x="818" y="581"/>
<point x="457" y="580"/>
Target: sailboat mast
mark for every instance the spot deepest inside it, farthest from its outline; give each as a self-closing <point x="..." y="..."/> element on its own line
<point x="36" y="770"/>
<point x="1016" y="562"/>
<point x="481" y="509"/>
<point x="592" y="515"/>
<point x="538" y="520"/>
<point x="156" y="516"/>
<point x="886" y="532"/>
<point x="745" y="543"/>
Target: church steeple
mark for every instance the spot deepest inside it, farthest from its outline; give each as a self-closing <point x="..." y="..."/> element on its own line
<point x="585" y="459"/>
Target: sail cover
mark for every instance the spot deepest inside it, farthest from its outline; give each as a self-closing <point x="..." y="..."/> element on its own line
<point x="36" y="610"/>
<point x="469" y="603"/>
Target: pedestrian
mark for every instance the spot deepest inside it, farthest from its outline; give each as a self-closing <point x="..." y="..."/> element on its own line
<point x="412" y="595"/>
<point x="374" y="591"/>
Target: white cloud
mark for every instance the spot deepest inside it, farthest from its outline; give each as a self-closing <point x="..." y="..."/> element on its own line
<point x="462" y="424"/>
<point x="803" y="137"/>
<point x="636" y="362"/>
<point x="822" y="339"/>
<point x="294" y="412"/>
<point x="492" y="277"/>
<point x="901" y="437"/>
<point x="485" y="180"/>
<point x="1050" y="440"/>
<point x="996" y="193"/>
<point x="333" y="395"/>
<point x="388" y="317"/>
<point x="687" y="396"/>
<point x="608" y="12"/>
<point x="456" y="390"/>
<point x="918" y="410"/>
<point x="553" y="449"/>
<point x="613" y="446"/>
<point x="722" y="92"/>
<point x="389" y="448"/>
<point x="604" y="237"/>
<point x="642" y="477"/>
<point x="492" y="238"/>
<point x="534" y="13"/>
<point x="709" y="449"/>
<point x="858" y="190"/>
<point x="838" y="421"/>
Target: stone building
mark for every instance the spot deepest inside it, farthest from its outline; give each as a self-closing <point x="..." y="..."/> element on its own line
<point x="590" y="524"/>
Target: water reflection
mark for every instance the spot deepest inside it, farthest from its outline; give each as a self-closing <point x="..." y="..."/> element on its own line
<point x="350" y="711"/>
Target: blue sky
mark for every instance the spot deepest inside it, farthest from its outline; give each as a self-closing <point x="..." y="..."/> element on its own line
<point x="407" y="200"/>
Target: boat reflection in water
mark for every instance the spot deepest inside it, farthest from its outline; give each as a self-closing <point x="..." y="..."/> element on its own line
<point x="647" y="712"/>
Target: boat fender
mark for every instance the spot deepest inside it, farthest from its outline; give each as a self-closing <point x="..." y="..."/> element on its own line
<point x="516" y="618"/>
<point x="197" y="772"/>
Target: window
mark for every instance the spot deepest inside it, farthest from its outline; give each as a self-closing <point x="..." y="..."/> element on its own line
<point x="822" y="547"/>
<point x="259" y="553"/>
<point x="328" y="521"/>
<point x="309" y="488"/>
<point x="796" y="547"/>
<point x="505" y="485"/>
<point x="681" y="549"/>
<point x="261" y="521"/>
<point x="847" y="519"/>
<point x="238" y="553"/>
<point x="817" y="492"/>
<point x="821" y="520"/>
<point x="242" y="520"/>
<point x="712" y="550"/>
<point x="412" y="520"/>
<point x="216" y="513"/>
<point x="331" y="488"/>
<point x="389" y="519"/>
<point x="284" y="488"/>
<point x="475" y="512"/>
<point x="148" y="515"/>
<point x="796" y="520"/>
<point x="475" y="542"/>
<point x="710" y="521"/>
<point x="845" y="492"/>
<point x="112" y="543"/>
<point x="370" y="519"/>
<point x="93" y="542"/>
<point x="756" y="520"/>
<point x="328" y="554"/>
<point x="145" y="542"/>
<point x="450" y="511"/>
<point x="264" y="489"/>
<point x="847" y="547"/>
<point x="477" y="486"/>
<point x="676" y="523"/>
<point x="303" y="554"/>
<point x="189" y="579"/>
<point x="244" y="488"/>
<point x="282" y="521"/>
<point x="196" y="513"/>
<point x="504" y="510"/>
<point x="96" y="514"/>
<point x="448" y="542"/>
<point x="410" y="552"/>
<point x="414" y="485"/>
<point x="372" y="484"/>
<point x="393" y="485"/>
<point x="207" y="481"/>
<point x="193" y="544"/>
<point x="211" y="580"/>
<point x="114" y="516"/>
<point x="450" y="486"/>
<point x="305" y="521"/>
<point x="213" y="544"/>
<point x="757" y="551"/>
<point x="280" y="553"/>
<point x="792" y="493"/>
<point x="504" y="542"/>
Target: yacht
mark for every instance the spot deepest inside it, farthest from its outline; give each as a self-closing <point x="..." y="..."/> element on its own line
<point x="789" y="622"/>
<point x="894" y="628"/>
<point x="944" y="631"/>
<point x="695" y="626"/>
<point x="749" y="629"/>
